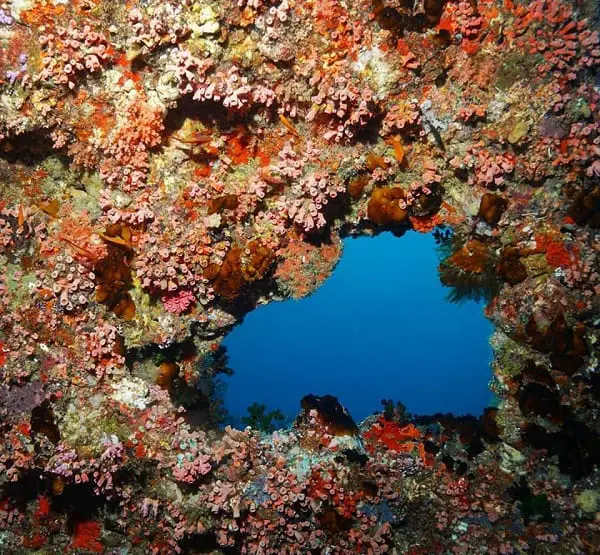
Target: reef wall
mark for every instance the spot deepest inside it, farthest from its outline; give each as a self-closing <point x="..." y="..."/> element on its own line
<point x="165" y="166"/>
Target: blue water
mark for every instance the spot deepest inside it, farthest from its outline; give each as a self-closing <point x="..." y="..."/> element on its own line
<point x="379" y="327"/>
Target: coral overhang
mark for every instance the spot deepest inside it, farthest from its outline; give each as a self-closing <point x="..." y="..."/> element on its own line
<point x="166" y="166"/>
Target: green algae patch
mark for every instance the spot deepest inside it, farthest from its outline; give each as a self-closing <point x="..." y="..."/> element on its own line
<point x="588" y="500"/>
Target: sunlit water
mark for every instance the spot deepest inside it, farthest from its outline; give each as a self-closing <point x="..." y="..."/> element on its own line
<point x="379" y="327"/>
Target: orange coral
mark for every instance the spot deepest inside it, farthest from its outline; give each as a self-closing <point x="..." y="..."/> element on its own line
<point x="558" y="255"/>
<point x="238" y="267"/>
<point x="386" y="206"/>
<point x="395" y="437"/>
<point x="425" y="224"/>
<point x="43" y="12"/>
<point x="77" y="233"/>
<point x="473" y="257"/>
<point x="86" y="535"/>
<point x="304" y="266"/>
<point x="239" y="147"/>
<point x="399" y="150"/>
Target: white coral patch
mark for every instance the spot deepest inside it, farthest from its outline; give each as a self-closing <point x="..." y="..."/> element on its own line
<point x="372" y="65"/>
<point x="132" y="392"/>
<point x="18" y="6"/>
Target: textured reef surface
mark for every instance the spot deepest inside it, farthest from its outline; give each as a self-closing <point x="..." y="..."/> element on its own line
<point x="168" y="165"/>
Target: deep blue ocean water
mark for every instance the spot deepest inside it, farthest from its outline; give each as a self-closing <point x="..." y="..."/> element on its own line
<point x="379" y="327"/>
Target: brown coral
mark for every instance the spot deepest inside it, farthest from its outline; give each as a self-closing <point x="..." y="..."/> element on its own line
<point x="167" y="372"/>
<point x="357" y="185"/>
<point x="257" y="259"/>
<point x="113" y="280"/>
<point x="239" y="267"/>
<point x="387" y="206"/>
<point x="473" y="257"/>
<point x="509" y="267"/>
<point x="219" y="204"/>
<point x="585" y="209"/>
<point x="491" y="208"/>
<point x="226" y="278"/>
<point x="330" y="414"/>
<point x="565" y="344"/>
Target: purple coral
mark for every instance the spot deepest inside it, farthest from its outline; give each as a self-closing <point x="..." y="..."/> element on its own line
<point x="19" y="399"/>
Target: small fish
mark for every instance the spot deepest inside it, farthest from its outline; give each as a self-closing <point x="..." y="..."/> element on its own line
<point x="437" y="137"/>
<point x="80" y="250"/>
<point x="50" y="207"/>
<point x="288" y="125"/>
<point x="115" y="241"/>
<point x="399" y="150"/>
<point x="21" y="216"/>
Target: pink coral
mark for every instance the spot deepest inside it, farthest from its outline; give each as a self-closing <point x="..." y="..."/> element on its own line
<point x="179" y="301"/>
<point x="103" y="349"/>
<point x="464" y="18"/>
<point x="403" y="117"/>
<point x="314" y="192"/>
<point x="70" y="51"/>
<point x="189" y="468"/>
<point x="579" y="151"/>
<point x="346" y="107"/>
<point x="489" y="170"/>
<point x="70" y="281"/>
<point x="186" y="69"/>
<point x="566" y="45"/>
<point x="136" y="213"/>
<point x="178" y="262"/>
<point x="125" y="151"/>
<point x="233" y="90"/>
<point x="164" y="25"/>
<point x="471" y="113"/>
<point x="431" y="174"/>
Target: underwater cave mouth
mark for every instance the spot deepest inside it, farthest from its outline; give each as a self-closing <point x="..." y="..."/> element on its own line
<point x="380" y="327"/>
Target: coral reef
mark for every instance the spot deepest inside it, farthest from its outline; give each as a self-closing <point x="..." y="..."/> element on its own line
<point x="167" y="166"/>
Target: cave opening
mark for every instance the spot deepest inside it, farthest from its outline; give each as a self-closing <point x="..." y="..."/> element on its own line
<point x="380" y="327"/>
